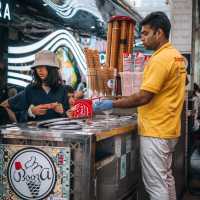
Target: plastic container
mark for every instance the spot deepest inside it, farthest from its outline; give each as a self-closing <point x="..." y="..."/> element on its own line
<point x="139" y="61"/>
<point x="130" y="82"/>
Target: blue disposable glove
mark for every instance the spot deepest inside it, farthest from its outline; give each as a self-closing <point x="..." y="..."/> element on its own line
<point x="102" y="105"/>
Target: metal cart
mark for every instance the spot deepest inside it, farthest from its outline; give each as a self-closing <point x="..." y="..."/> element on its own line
<point x="84" y="160"/>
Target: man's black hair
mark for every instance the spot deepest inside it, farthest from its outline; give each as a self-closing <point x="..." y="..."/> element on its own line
<point x="53" y="79"/>
<point x="158" y="20"/>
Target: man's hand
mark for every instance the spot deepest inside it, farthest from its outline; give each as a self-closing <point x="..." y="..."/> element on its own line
<point x="5" y="104"/>
<point x="102" y="105"/>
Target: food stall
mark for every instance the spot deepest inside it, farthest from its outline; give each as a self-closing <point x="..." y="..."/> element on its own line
<point x="70" y="159"/>
<point x="83" y="159"/>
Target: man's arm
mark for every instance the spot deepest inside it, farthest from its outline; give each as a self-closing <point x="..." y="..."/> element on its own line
<point x="141" y="98"/>
<point x="11" y="114"/>
<point x="5" y="104"/>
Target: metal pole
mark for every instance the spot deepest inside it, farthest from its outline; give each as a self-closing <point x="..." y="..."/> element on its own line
<point x="193" y="54"/>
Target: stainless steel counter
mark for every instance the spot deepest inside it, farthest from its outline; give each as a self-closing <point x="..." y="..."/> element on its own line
<point x="70" y="160"/>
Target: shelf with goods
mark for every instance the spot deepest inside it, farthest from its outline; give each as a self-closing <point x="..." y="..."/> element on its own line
<point x="105" y="80"/>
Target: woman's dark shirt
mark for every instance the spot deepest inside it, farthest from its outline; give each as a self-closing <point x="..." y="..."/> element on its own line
<point x="33" y="95"/>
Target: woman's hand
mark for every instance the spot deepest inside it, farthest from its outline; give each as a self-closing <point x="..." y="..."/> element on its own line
<point x="42" y="108"/>
<point x="39" y="110"/>
<point x="58" y="107"/>
<point x="70" y="112"/>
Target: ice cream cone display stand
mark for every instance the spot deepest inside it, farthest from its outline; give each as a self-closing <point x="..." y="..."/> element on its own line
<point x="98" y="75"/>
<point x="120" y="38"/>
<point x="70" y="159"/>
<point x="122" y="72"/>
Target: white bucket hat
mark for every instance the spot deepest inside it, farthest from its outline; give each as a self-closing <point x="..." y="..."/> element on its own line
<point x="45" y="58"/>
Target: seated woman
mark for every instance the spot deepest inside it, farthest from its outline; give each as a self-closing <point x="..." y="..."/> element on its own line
<point x="46" y="97"/>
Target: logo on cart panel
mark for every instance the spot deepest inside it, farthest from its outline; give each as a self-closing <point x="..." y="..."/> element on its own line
<point x="31" y="174"/>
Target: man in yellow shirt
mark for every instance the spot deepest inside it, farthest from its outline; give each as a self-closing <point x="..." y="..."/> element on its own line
<point x="160" y="101"/>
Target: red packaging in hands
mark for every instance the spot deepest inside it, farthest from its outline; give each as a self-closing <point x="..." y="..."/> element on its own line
<point x="82" y="108"/>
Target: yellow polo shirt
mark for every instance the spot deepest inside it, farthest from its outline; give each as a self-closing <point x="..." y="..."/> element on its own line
<point x="165" y="76"/>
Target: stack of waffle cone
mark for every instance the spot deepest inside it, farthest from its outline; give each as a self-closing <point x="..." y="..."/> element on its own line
<point x="100" y="81"/>
<point x="92" y="79"/>
<point x="104" y="74"/>
<point x="114" y="44"/>
<point x="130" y="37"/>
<point x="111" y="76"/>
<point x="120" y="39"/>
<point x="89" y="57"/>
<point x="98" y="75"/>
<point x="93" y="63"/>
